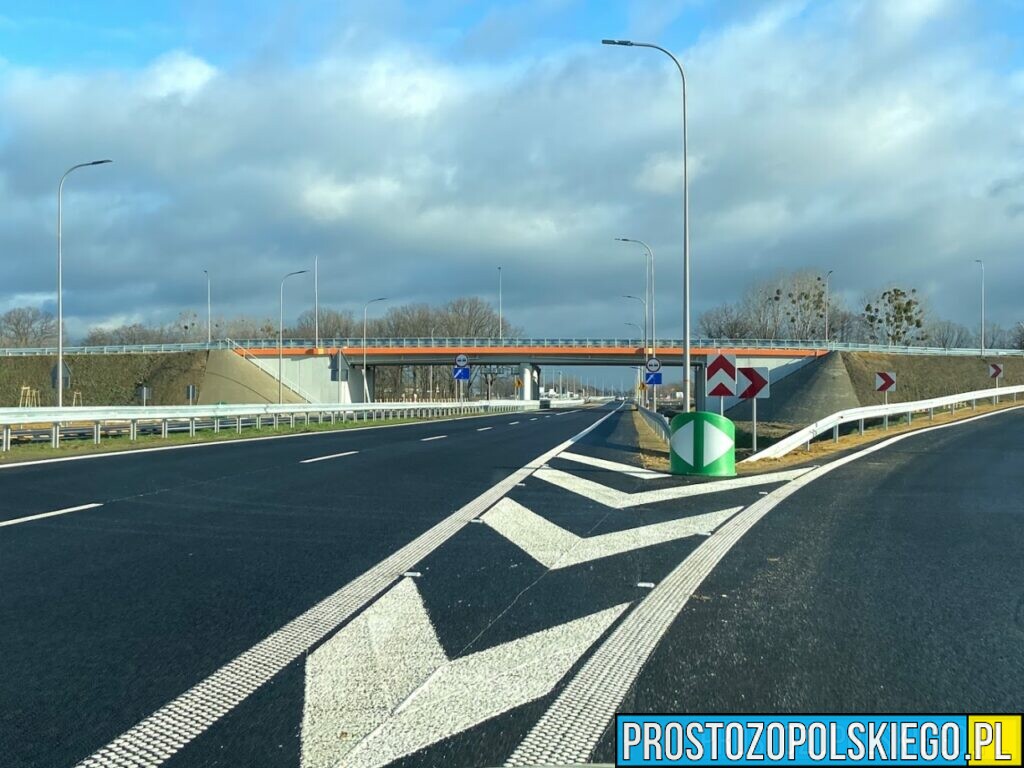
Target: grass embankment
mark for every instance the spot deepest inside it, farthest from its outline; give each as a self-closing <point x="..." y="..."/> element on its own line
<point x="120" y="443"/>
<point x="105" y="379"/>
<point x="654" y="452"/>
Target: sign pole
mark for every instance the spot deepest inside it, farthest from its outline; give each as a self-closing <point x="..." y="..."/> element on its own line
<point x="886" y="396"/>
<point x="753" y="405"/>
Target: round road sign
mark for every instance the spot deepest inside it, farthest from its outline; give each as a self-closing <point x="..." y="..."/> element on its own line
<point x="461" y="361"/>
<point x="653" y="365"/>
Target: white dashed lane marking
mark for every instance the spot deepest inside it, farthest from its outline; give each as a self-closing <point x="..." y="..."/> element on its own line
<point x="484" y="429"/>
<point x="325" y="458"/>
<point x="40" y="516"/>
<point x="512" y="422"/>
<point x="435" y="437"/>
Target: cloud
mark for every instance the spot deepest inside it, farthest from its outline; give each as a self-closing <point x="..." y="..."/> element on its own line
<point x="819" y="138"/>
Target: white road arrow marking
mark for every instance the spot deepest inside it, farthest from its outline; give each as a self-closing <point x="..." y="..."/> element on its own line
<point x="382" y="687"/>
<point x="611" y="497"/>
<point x="555" y="547"/>
<point x="612" y="466"/>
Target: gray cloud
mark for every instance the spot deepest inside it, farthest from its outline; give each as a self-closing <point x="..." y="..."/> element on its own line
<point x="844" y="136"/>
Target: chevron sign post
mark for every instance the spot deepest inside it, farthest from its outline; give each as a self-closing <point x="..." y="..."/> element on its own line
<point x="885" y="382"/>
<point x="702" y="444"/>
<point x="721" y="379"/>
<point x="995" y="371"/>
<point x="752" y="384"/>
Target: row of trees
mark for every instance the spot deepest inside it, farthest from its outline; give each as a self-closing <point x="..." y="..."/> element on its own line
<point x="793" y="306"/>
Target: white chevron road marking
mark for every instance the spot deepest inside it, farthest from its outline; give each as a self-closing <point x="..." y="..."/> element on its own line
<point x="613" y="466"/>
<point x="382" y="687"/>
<point x="555" y="547"/>
<point x="615" y="499"/>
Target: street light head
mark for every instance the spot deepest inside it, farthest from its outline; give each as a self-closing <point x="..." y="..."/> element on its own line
<point x="100" y="162"/>
<point x="616" y="42"/>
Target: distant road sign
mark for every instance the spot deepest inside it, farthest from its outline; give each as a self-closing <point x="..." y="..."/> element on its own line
<point x="721" y="376"/>
<point x="460" y="373"/>
<point x="995" y="370"/>
<point x="752" y="383"/>
<point x="885" y="381"/>
<point x="652" y="378"/>
<point x="461" y="361"/>
<point x="653" y="365"/>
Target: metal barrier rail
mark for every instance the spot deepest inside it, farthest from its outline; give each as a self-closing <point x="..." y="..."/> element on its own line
<point x="197" y="415"/>
<point x="860" y="415"/>
<point x="470" y="343"/>
<point x="658" y="422"/>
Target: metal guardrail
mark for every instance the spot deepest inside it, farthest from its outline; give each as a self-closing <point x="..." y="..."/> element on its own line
<point x="470" y="343"/>
<point x="199" y="415"/>
<point x="657" y="422"/>
<point x="864" y="413"/>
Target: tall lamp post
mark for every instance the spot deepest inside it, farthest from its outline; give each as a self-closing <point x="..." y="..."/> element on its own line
<point x="366" y="386"/>
<point x="209" y="313"/>
<point x="979" y="261"/>
<point x="638" y="374"/>
<point x="644" y="302"/>
<point x="280" y="339"/>
<point x="651" y="295"/>
<point x="316" y="302"/>
<point x="60" y="277"/>
<point x="501" y="330"/>
<point x="827" y="276"/>
<point x="686" y="221"/>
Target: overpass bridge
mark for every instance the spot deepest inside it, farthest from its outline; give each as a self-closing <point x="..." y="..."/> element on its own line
<point x="333" y="370"/>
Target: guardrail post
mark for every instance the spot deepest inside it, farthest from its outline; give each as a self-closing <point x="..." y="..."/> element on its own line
<point x="96" y="433"/>
<point x="55" y="436"/>
<point x="931" y="414"/>
<point x="334" y="415"/>
<point x="860" y="426"/>
<point x="133" y="429"/>
<point x="885" y="422"/>
<point x="910" y="417"/>
<point x="238" y="424"/>
<point x="191" y="427"/>
<point x="974" y="404"/>
<point x="216" y="424"/>
<point x="276" y="420"/>
<point x="293" y="421"/>
<point x="163" y="429"/>
<point x="5" y="442"/>
<point x="259" y="422"/>
<point x="835" y="434"/>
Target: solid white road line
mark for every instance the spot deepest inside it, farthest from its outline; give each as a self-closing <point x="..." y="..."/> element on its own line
<point x="155" y="739"/>
<point x="484" y="429"/>
<point x="435" y="437"/>
<point x="570" y="729"/>
<point x="17" y="520"/>
<point x="325" y="458"/>
<point x="614" y="466"/>
<point x="387" y="683"/>
<point x="616" y="499"/>
<point x="555" y="547"/>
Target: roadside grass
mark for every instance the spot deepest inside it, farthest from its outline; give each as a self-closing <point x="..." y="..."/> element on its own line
<point x="33" y="451"/>
<point x="655" y="456"/>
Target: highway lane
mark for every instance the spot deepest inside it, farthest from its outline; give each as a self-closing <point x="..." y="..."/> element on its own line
<point x="894" y="583"/>
<point x="198" y="553"/>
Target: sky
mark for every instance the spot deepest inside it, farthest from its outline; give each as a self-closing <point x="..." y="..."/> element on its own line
<point x="417" y="146"/>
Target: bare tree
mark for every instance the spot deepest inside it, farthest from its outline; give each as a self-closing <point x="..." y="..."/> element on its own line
<point x="27" y="327"/>
<point x="895" y="317"/>
<point x="950" y="335"/>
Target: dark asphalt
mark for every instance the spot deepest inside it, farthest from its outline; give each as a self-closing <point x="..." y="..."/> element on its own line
<point x="894" y="583"/>
<point x="198" y="553"/>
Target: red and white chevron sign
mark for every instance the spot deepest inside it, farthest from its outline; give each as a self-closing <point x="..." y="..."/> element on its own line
<point x="995" y="370"/>
<point x="721" y="375"/>
<point x="752" y="383"/>
<point x="885" y="381"/>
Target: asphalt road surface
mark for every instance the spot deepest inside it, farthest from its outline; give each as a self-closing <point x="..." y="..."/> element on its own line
<point x="490" y="591"/>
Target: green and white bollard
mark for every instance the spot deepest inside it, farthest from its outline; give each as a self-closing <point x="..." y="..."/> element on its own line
<point x="703" y="443"/>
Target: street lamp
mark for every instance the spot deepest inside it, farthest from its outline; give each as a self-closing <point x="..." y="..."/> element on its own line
<point x="651" y="295"/>
<point x="209" y="314"/>
<point x="316" y="302"/>
<point x="979" y="261"/>
<point x="501" y="333"/>
<point x="644" y="302"/>
<point x="827" y="276"/>
<point x="686" y="222"/>
<point x="366" y="386"/>
<point x="60" y="278"/>
<point x="280" y="340"/>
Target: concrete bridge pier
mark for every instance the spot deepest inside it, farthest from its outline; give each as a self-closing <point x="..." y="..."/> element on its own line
<point x="529" y="374"/>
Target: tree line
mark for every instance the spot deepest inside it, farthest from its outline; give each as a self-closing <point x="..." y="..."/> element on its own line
<point x="793" y="306"/>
